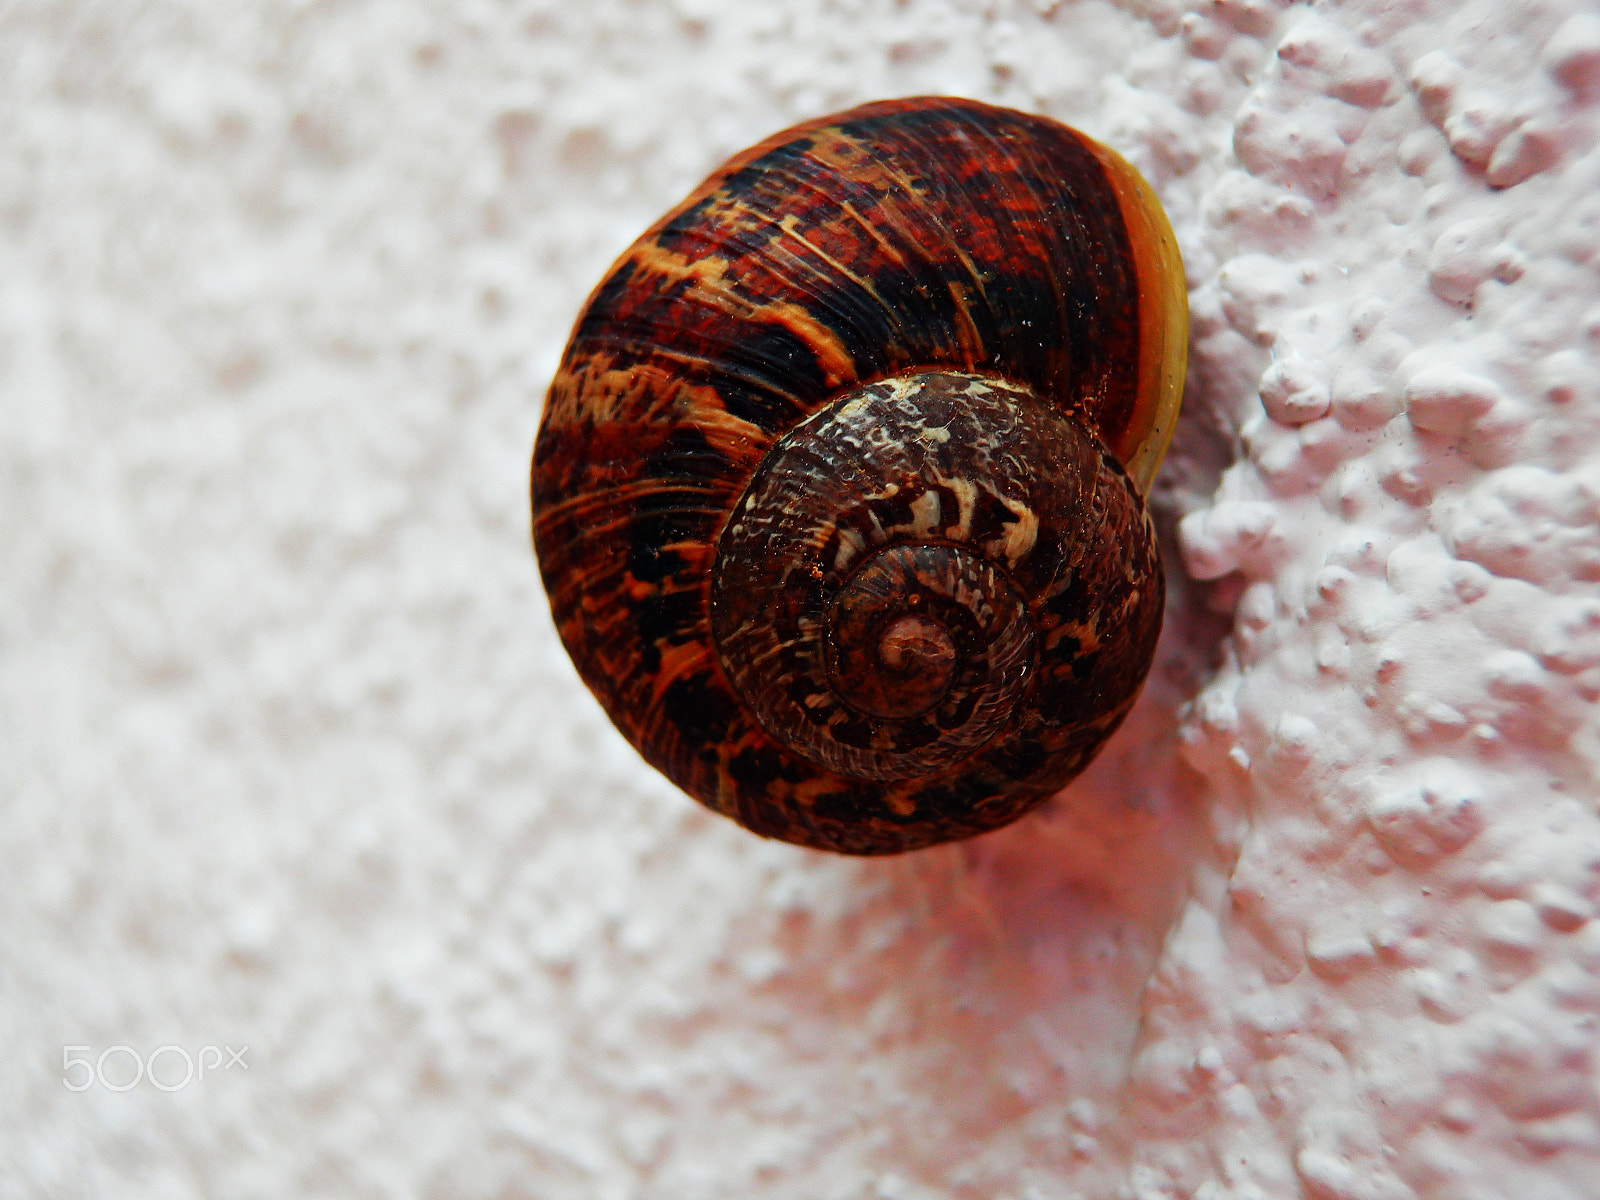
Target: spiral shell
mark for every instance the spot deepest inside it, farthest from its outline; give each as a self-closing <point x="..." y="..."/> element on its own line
<point x="838" y="495"/>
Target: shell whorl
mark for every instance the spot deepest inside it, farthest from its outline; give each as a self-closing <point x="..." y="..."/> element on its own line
<point x="902" y="564"/>
<point x="923" y="345"/>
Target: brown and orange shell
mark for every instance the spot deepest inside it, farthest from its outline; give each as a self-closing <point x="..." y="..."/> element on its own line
<point x="838" y="494"/>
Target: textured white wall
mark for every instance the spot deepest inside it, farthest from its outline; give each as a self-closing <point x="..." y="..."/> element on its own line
<point x="291" y="760"/>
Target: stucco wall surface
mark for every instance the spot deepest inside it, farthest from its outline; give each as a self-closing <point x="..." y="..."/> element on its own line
<point x="298" y="786"/>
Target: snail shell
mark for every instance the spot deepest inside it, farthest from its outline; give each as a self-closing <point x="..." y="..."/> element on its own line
<point x="838" y="495"/>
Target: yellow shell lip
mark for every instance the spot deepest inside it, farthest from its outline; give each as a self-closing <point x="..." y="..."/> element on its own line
<point x="1163" y="319"/>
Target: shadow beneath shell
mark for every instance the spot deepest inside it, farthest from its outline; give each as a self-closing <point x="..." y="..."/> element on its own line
<point x="1016" y="973"/>
<point x="990" y="993"/>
